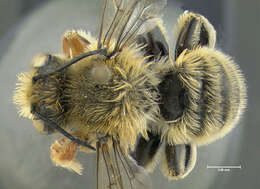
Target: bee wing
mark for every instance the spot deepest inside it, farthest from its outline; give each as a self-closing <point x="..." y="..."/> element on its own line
<point x="123" y="20"/>
<point x="117" y="170"/>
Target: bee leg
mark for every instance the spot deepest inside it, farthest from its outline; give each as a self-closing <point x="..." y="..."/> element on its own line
<point x="179" y="160"/>
<point x="90" y="139"/>
<point x="155" y="43"/>
<point x="63" y="152"/>
<point x="145" y="150"/>
<point x="52" y="124"/>
<point x="74" y="44"/>
<point x="194" y="30"/>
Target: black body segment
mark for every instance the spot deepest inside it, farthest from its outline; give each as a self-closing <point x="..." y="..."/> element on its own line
<point x="185" y="37"/>
<point x="204" y="36"/>
<point x="145" y="150"/>
<point x="194" y="30"/>
<point x="155" y="43"/>
<point x="173" y="97"/>
<point x="179" y="160"/>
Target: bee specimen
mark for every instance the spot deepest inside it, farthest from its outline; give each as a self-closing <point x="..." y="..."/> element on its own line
<point x="126" y="97"/>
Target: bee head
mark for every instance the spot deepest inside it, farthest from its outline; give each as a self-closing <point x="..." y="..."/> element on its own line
<point x="43" y="95"/>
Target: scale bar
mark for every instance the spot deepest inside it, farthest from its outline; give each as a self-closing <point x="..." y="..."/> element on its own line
<point x="224" y="167"/>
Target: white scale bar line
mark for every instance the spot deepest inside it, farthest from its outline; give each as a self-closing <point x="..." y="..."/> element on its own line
<point x="227" y="167"/>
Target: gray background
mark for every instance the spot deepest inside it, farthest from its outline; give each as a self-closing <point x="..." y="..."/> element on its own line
<point x="31" y="26"/>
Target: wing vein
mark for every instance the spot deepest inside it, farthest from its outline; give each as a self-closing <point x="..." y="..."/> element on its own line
<point x="102" y="25"/>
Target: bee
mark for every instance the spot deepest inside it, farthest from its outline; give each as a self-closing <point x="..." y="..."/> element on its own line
<point x="125" y="96"/>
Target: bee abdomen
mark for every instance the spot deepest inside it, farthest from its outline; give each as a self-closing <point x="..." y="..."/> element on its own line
<point x="179" y="160"/>
<point x="215" y="94"/>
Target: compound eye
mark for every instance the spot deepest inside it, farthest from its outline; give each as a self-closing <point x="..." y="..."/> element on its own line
<point x="40" y="60"/>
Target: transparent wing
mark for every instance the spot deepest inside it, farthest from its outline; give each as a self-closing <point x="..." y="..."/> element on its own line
<point x="123" y="20"/>
<point x="117" y="170"/>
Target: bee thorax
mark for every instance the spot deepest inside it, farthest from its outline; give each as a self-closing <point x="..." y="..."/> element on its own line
<point x="115" y="97"/>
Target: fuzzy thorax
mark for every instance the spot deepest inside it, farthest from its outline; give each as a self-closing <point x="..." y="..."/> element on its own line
<point x="115" y="96"/>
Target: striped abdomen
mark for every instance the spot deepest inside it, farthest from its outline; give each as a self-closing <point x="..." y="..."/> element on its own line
<point x="211" y="96"/>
